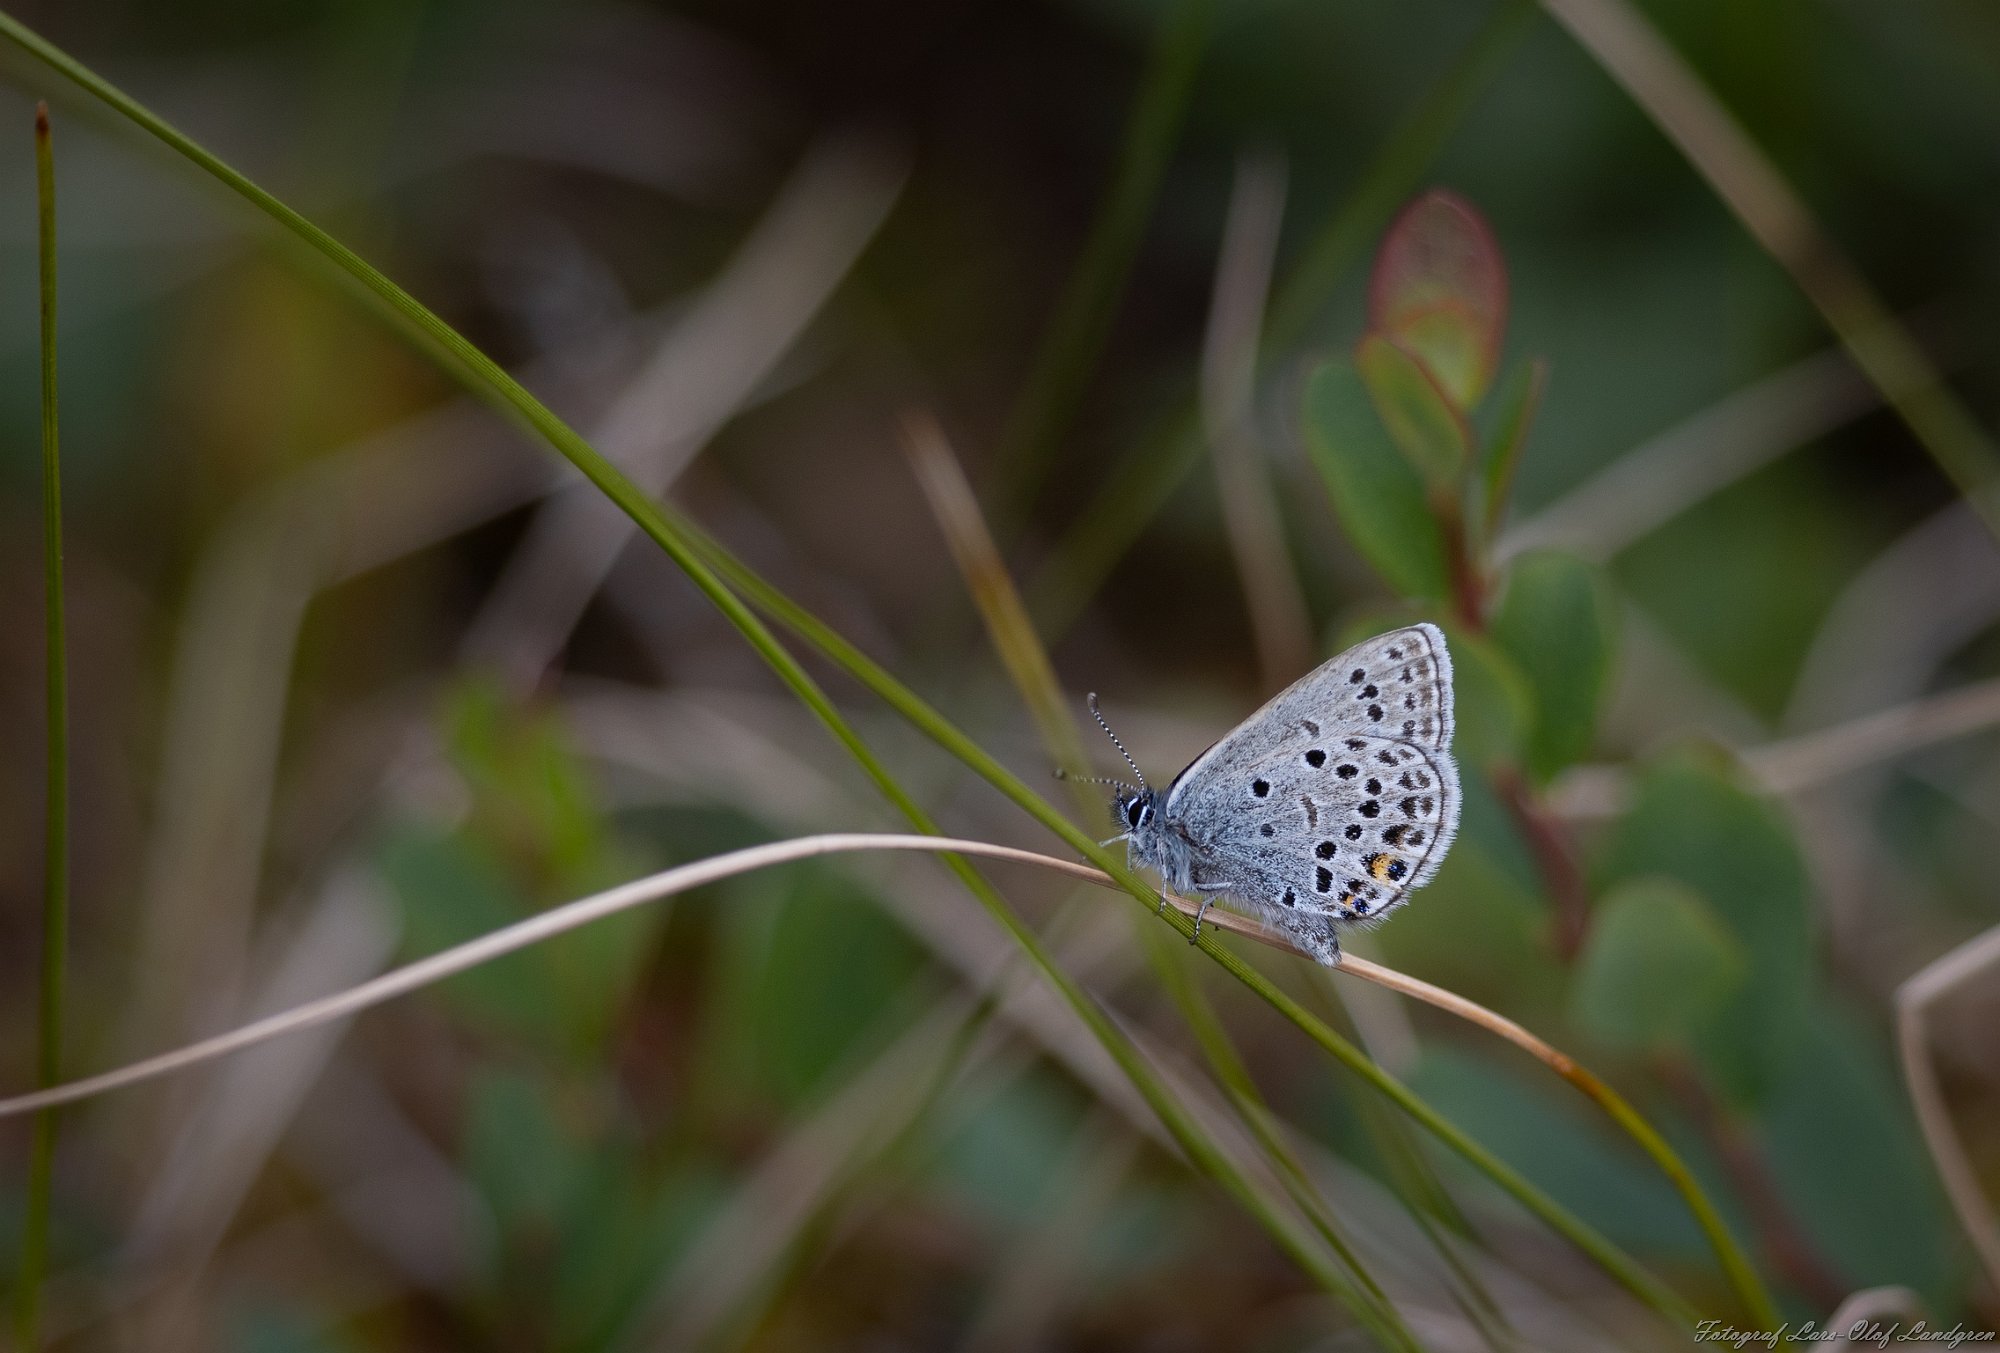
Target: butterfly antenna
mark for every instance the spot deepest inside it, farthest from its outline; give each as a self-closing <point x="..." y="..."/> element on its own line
<point x="1096" y="714"/>
<point x="1062" y="774"/>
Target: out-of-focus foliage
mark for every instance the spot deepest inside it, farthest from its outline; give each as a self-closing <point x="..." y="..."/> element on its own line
<point x="777" y="1112"/>
<point x="1556" y="623"/>
<point x="1659" y="967"/>
<point x="1377" y="491"/>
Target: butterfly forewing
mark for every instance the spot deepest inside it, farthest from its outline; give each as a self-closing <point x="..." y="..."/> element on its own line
<point x="1396" y="685"/>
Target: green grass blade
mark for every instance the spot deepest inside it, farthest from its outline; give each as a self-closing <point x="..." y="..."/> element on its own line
<point x="1028" y="666"/>
<point x="906" y="702"/>
<point x="1076" y="335"/>
<point x="1233" y="1076"/>
<point x="55" y="876"/>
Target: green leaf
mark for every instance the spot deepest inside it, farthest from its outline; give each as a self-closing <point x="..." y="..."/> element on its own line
<point x="1519" y="400"/>
<point x="834" y="966"/>
<point x="1494" y="703"/>
<point x="1850" y="1164"/>
<point x="518" y="1155"/>
<point x="531" y="794"/>
<point x="1691" y="822"/>
<point x="562" y="997"/>
<point x="1658" y="970"/>
<point x="1377" y="495"/>
<point x="1555" y="621"/>
<point x="581" y="1227"/>
<point x="1538" y="1126"/>
<point x="1439" y="288"/>
<point x="1417" y="413"/>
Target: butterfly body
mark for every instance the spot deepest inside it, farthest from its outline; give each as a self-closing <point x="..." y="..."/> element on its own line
<point x="1330" y="804"/>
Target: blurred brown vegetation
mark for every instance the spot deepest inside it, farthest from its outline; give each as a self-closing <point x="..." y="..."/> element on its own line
<point x="359" y="671"/>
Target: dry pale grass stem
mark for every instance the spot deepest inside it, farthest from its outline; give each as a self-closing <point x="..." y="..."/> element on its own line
<point x="1873" y="1304"/>
<point x="977" y="555"/>
<point x="1793" y="765"/>
<point x="560" y="920"/>
<point x="1914" y="1000"/>
<point x="1279" y="619"/>
<point x="744" y="322"/>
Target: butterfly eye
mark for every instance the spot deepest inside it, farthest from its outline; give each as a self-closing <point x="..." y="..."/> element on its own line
<point x="1136" y="813"/>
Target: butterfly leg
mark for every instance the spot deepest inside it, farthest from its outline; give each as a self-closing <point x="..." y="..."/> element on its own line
<point x="1209" y="892"/>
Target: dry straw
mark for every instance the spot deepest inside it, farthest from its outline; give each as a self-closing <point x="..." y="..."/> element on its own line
<point x="684" y="878"/>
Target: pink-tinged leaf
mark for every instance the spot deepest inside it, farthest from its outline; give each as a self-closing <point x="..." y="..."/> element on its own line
<point x="1416" y="411"/>
<point x="1439" y="290"/>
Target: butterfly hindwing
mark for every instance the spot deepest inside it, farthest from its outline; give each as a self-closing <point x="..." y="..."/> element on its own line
<point x="1347" y="825"/>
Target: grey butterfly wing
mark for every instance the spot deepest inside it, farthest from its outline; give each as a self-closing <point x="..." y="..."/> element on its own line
<point x="1395" y="685"/>
<point x="1338" y="797"/>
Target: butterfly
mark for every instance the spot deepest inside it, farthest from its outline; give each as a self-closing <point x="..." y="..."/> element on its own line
<point x="1331" y="804"/>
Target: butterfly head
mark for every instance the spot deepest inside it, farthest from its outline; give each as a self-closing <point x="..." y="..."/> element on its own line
<point x="1137" y="808"/>
<point x="1134" y="809"/>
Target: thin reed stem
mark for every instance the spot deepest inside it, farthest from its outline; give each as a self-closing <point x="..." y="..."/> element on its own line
<point x="55" y="867"/>
<point x="1238" y="1086"/>
<point x="1280" y="621"/>
<point x="1555" y="858"/>
<point x="977" y="554"/>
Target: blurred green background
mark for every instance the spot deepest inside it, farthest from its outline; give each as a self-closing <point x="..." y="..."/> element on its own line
<point x="359" y="672"/>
